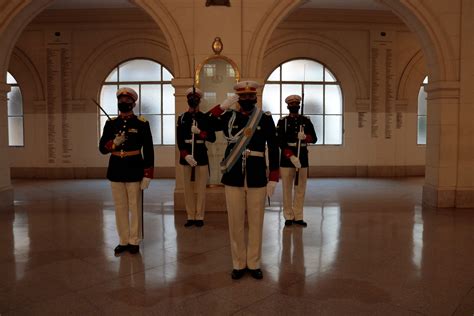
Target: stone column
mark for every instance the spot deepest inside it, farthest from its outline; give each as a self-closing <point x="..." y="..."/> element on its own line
<point x="6" y="190"/>
<point x="442" y="146"/>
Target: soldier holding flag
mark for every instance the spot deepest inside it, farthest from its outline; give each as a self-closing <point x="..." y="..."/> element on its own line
<point x="295" y="132"/>
<point x="192" y="132"/>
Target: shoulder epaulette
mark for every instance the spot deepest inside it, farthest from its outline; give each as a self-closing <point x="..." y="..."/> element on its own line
<point x="142" y="118"/>
<point x="113" y="118"/>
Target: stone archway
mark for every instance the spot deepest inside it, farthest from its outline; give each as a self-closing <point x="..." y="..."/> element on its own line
<point x="440" y="187"/>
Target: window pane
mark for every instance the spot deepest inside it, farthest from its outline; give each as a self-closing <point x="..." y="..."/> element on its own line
<point x="169" y="126"/>
<point x="150" y="99"/>
<point x="328" y="76"/>
<point x="155" y="127"/>
<point x="112" y="76"/>
<point x="333" y="130"/>
<point x="15" y="131"/>
<point x="333" y="99"/>
<point x="108" y="100"/>
<point x="293" y="70"/>
<point x="313" y="99"/>
<point x="275" y="76"/>
<point x="422" y="101"/>
<point x="140" y="70"/>
<point x="167" y="76"/>
<point x="421" y="139"/>
<point x="313" y="71"/>
<point x="271" y="98"/>
<point x="168" y="99"/>
<point x="15" y="104"/>
<point x="10" y="79"/>
<point x="317" y="121"/>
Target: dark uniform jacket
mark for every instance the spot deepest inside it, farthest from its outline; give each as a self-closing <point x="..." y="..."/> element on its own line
<point x="184" y="137"/>
<point x="287" y="130"/>
<point x="256" y="167"/>
<point x="128" y="168"/>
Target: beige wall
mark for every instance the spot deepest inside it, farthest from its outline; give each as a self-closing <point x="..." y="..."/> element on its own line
<point x="258" y="35"/>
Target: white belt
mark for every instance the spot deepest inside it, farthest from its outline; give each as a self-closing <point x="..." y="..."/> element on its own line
<point x="296" y="144"/>
<point x="197" y="141"/>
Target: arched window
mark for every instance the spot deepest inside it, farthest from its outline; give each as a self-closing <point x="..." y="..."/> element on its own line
<point x="421" y="135"/>
<point x="155" y="101"/>
<point x="15" y="114"/>
<point x="322" y="96"/>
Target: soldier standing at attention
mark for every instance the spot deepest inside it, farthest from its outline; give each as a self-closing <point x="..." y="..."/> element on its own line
<point x="192" y="132"/>
<point x="248" y="131"/>
<point x="128" y="139"/>
<point x="294" y="131"/>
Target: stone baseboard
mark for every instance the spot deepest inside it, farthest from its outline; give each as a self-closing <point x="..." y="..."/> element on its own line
<point x="77" y="173"/>
<point x="365" y="171"/>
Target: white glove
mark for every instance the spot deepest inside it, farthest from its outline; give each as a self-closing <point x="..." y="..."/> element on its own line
<point x="119" y="139"/>
<point x="195" y="129"/>
<point x="295" y="161"/>
<point x="145" y="183"/>
<point x="227" y="103"/>
<point x="271" y="188"/>
<point x="301" y="135"/>
<point x="190" y="160"/>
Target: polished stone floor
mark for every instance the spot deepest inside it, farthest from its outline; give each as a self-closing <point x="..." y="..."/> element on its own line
<point x="370" y="248"/>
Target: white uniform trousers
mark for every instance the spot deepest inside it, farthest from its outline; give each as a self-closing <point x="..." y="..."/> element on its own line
<point x="127" y="198"/>
<point x="238" y="199"/>
<point x="195" y="192"/>
<point x="293" y="204"/>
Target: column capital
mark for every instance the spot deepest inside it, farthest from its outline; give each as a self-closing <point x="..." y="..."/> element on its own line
<point x="443" y="90"/>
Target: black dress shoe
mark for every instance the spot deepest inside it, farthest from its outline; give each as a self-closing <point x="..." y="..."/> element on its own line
<point x="301" y="223"/>
<point x="288" y="222"/>
<point x="133" y="249"/>
<point x="256" y="274"/>
<point x="199" y="223"/>
<point x="237" y="274"/>
<point x="189" y="223"/>
<point x="120" y="248"/>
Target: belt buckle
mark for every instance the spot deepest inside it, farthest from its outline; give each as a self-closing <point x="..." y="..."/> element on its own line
<point x="122" y="154"/>
<point x="246" y="153"/>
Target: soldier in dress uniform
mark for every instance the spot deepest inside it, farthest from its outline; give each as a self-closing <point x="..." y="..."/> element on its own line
<point x="128" y="139"/>
<point x="192" y="132"/>
<point x="247" y="131"/>
<point x="294" y="131"/>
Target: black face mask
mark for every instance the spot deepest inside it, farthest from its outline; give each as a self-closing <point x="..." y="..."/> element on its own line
<point x="193" y="102"/>
<point x="125" y="107"/>
<point x="294" y="109"/>
<point x="247" y="105"/>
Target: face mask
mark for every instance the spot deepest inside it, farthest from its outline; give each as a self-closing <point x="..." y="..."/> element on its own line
<point x="193" y="102"/>
<point x="293" y="109"/>
<point x="125" y="107"/>
<point x="247" y="105"/>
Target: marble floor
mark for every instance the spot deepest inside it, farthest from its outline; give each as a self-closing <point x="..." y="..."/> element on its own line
<point x="370" y="248"/>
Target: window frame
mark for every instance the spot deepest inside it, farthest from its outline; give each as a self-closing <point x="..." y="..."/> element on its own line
<point x="117" y="83"/>
<point x="22" y="116"/>
<point x="322" y="83"/>
<point x="418" y="115"/>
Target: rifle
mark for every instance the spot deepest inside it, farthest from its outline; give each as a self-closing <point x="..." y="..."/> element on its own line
<point x="297" y="175"/>
<point x="193" y="169"/>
